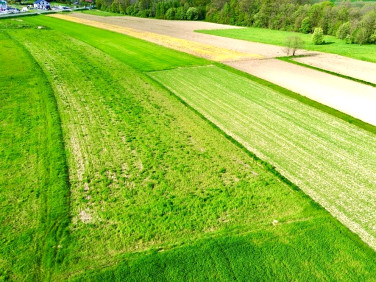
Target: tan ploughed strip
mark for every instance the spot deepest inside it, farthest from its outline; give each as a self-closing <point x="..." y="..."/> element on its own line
<point x="194" y="48"/>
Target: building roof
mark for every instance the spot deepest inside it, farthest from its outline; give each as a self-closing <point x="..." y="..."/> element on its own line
<point x="40" y="1"/>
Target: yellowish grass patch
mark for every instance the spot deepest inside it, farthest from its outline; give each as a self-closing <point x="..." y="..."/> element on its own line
<point x="190" y="47"/>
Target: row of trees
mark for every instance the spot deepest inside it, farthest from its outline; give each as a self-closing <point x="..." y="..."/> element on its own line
<point x="353" y="23"/>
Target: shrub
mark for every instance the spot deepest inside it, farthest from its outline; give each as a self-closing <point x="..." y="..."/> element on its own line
<point x="372" y="39"/>
<point x="192" y="14"/>
<point x="131" y="10"/>
<point x="360" y="36"/>
<point x="306" y="26"/>
<point x="170" y="14"/>
<point x="318" y="36"/>
<point x="180" y="14"/>
<point x="144" y="13"/>
<point x="344" y="30"/>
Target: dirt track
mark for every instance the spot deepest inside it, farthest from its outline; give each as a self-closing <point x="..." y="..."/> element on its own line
<point x="353" y="98"/>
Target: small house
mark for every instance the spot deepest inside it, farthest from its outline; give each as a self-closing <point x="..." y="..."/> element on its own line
<point x="3" y="5"/>
<point x="41" y="5"/>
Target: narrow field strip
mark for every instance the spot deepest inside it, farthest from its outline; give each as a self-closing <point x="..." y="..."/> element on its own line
<point x="312" y="66"/>
<point x="34" y="189"/>
<point x="331" y="160"/>
<point x="190" y="47"/>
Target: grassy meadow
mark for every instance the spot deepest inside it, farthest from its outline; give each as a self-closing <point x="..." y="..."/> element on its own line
<point x="156" y="191"/>
<point x="278" y="37"/>
<point x="34" y="188"/>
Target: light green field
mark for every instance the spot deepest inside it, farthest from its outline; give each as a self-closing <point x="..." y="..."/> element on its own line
<point x="278" y="37"/>
<point x="331" y="160"/>
<point x="156" y="191"/>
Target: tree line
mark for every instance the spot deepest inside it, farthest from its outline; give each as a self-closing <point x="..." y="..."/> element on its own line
<point x="355" y="23"/>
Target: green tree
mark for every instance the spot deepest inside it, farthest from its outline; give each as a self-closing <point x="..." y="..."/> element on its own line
<point x="344" y="30"/>
<point x="192" y="14"/>
<point x="318" y="36"/>
<point x="293" y="43"/>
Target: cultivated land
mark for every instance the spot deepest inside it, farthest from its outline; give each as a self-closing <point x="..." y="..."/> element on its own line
<point x="365" y="71"/>
<point x="156" y="191"/>
<point x="331" y="160"/>
<point x="343" y="93"/>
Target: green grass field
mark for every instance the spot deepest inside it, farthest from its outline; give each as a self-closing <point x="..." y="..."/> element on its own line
<point x="331" y="160"/>
<point x="155" y="190"/>
<point x="34" y="190"/>
<point x="278" y="37"/>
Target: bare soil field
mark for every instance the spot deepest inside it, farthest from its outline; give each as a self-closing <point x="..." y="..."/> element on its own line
<point x="204" y="50"/>
<point x="185" y="30"/>
<point x="342" y="94"/>
<point x="355" y="99"/>
<point x="354" y="68"/>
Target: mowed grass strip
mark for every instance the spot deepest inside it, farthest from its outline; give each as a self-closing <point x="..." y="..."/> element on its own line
<point x="278" y="37"/>
<point x="331" y="160"/>
<point x="149" y="176"/>
<point x="34" y="192"/>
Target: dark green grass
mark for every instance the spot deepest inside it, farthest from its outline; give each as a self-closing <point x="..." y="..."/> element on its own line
<point x="196" y="196"/>
<point x="136" y="53"/>
<point x="278" y="37"/>
<point x="262" y="255"/>
<point x="34" y="191"/>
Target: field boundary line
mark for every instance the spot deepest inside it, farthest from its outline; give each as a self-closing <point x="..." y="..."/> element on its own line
<point x="351" y="225"/>
<point x="303" y="99"/>
<point x="291" y="60"/>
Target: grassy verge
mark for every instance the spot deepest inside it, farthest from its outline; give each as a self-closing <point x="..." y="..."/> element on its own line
<point x="291" y="60"/>
<point x="278" y="37"/>
<point x="34" y="189"/>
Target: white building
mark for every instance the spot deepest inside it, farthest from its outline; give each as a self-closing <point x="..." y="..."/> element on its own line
<point x="41" y="5"/>
<point x="3" y="5"/>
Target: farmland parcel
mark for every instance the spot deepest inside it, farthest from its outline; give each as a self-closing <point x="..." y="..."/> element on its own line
<point x="156" y="191"/>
